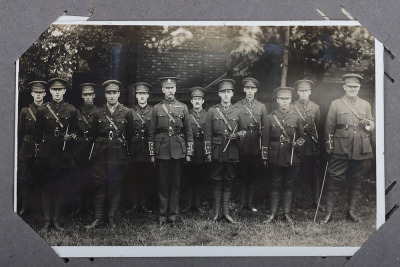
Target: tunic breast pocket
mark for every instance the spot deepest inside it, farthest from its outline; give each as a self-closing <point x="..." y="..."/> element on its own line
<point x="179" y="119"/>
<point x="343" y="118"/>
<point x="233" y="122"/>
<point x="216" y="123"/>
<point x="162" y="121"/>
<point x="121" y="123"/>
<point x="310" y="119"/>
<point x="29" y="123"/>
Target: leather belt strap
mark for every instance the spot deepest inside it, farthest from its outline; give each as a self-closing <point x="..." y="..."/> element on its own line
<point x="31" y="112"/>
<point x="352" y="109"/>
<point x="169" y="115"/>
<point x="298" y="111"/>
<point x="55" y="116"/>
<point x="251" y="114"/>
<point x="224" y="119"/>
<point x="281" y="127"/>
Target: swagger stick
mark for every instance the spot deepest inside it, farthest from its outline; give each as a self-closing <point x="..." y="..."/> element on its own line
<point x="320" y="194"/>
<point x="291" y="157"/>
<point x="91" y="151"/>
<point x="66" y="132"/>
<point x="227" y="144"/>
<point x="316" y="131"/>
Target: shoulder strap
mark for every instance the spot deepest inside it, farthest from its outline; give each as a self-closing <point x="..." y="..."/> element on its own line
<point x="169" y="115"/>
<point x="298" y="111"/>
<point x="251" y="114"/>
<point x="111" y="122"/>
<point x="31" y="112"/>
<point x="140" y="117"/>
<point x="351" y="108"/>
<point x="280" y="126"/>
<point x="195" y="121"/>
<point x="84" y="119"/>
<point x="225" y="121"/>
<point x="55" y="116"/>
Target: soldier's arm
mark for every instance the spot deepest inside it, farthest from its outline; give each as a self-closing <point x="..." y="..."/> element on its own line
<point x="208" y="133"/>
<point x="152" y="131"/>
<point x="21" y="125"/>
<point x="73" y="124"/>
<point x="242" y="127"/>
<point x="369" y="117"/>
<point x="263" y="115"/>
<point x="318" y="118"/>
<point x="129" y="126"/>
<point x="188" y="131"/>
<point x="265" y="138"/>
<point x="95" y="124"/>
<point x="39" y="126"/>
<point x="330" y="125"/>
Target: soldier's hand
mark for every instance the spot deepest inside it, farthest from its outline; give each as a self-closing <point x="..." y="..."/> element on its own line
<point x="37" y="146"/>
<point x="265" y="163"/>
<point x="208" y="158"/>
<point x="67" y="137"/>
<point x="153" y="159"/>
<point x="188" y="158"/>
<point x="232" y="136"/>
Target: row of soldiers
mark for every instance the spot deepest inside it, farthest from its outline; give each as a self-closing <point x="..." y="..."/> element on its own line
<point x="57" y="137"/>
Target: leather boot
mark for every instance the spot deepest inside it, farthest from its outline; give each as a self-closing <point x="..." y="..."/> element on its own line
<point x="217" y="193"/>
<point x="250" y="199"/>
<point x="46" y="206"/>
<point x="113" y="210"/>
<point x="355" y="193"/>
<point x="98" y="204"/>
<point x="197" y="198"/>
<point x="330" y="204"/>
<point x="57" y="214"/>
<point x="275" y="195"/>
<point x="226" y="199"/>
<point x="287" y="205"/>
<point x="143" y="208"/>
<point x="243" y="189"/>
<point x="189" y="205"/>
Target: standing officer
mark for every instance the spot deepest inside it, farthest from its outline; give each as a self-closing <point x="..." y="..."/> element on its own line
<point x="168" y="131"/>
<point x="195" y="172"/>
<point x="250" y="165"/>
<point x="225" y="124"/>
<point x="282" y="137"/>
<point x="26" y="138"/>
<point x="309" y="114"/>
<point x="109" y="154"/>
<point x="140" y="168"/>
<point x="84" y="145"/>
<point x="347" y="134"/>
<point x="56" y="127"/>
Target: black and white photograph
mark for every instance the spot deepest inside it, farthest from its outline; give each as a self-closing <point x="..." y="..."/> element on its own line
<point x="213" y="135"/>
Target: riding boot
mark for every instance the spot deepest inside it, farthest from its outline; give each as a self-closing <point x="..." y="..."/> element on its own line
<point x="226" y="199"/>
<point x="57" y="213"/>
<point x="275" y="195"/>
<point x="217" y="193"/>
<point x="287" y="205"/>
<point x="189" y="205"/>
<point x="113" y="209"/>
<point x="98" y="205"/>
<point x="330" y="201"/>
<point x="243" y="189"/>
<point x="250" y="199"/>
<point x="354" y="196"/>
<point x="46" y="206"/>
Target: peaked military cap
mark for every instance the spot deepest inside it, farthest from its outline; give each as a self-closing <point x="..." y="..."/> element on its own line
<point x="284" y="91"/>
<point x="303" y="85"/>
<point x="37" y="86"/>
<point x="250" y="82"/>
<point x="57" y="83"/>
<point x="352" y="79"/>
<point x="111" y="85"/>
<point x="87" y="88"/>
<point x="142" y="87"/>
<point x="168" y="81"/>
<point x="197" y="91"/>
<point x="225" y="84"/>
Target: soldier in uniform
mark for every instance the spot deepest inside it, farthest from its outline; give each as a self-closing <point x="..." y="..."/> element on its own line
<point x="170" y="141"/>
<point x="310" y="115"/>
<point x="195" y="172"/>
<point x="140" y="168"/>
<point x="56" y="128"/>
<point x="84" y="144"/>
<point x="281" y="141"/>
<point x="26" y="138"/>
<point x="109" y="154"/>
<point x="250" y="165"/>
<point x="347" y="133"/>
<point x="225" y="124"/>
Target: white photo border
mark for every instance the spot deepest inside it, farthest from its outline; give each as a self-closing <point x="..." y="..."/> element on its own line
<point x="230" y="251"/>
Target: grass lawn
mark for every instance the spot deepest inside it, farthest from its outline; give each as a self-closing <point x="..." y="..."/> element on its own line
<point x="200" y="230"/>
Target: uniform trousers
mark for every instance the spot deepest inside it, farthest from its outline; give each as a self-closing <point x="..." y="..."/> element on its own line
<point x="27" y="184"/>
<point x="169" y="181"/>
<point x="250" y="168"/>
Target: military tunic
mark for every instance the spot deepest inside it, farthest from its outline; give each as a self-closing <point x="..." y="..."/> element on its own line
<point x="140" y="174"/>
<point x="198" y="134"/>
<point x="255" y="114"/>
<point x="27" y="181"/>
<point x="172" y="140"/>
<point x="84" y="141"/>
<point x="109" y="158"/>
<point x="310" y="116"/>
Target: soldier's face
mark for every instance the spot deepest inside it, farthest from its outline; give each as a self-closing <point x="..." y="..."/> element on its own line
<point x="284" y="102"/>
<point x="351" y="90"/>
<point x="112" y="97"/>
<point x="142" y="98"/>
<point x="226" y="96"/>
<point x="304" y="94"/>
<point x="197" y="102"/>
<point x="169" y="91"/>
<point x="88" y="98"/>
<point x="250" y="92"/>
<point x="38" y="96"/>
<point x="57" y="94"/>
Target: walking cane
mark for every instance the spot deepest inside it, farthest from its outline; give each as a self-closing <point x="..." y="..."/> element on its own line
<point x="322" y="189"/>
<point x="227" y="144"/>
<point x="91" y="151"/>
